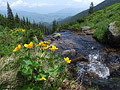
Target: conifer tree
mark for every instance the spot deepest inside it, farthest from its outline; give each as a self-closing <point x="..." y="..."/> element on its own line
<point x="17" y="20"/>
<point x="10" y="17"/>
<point x="55" y="25"/>
<point x="34" y="25"/>
<point x="91" y="9"/>
<point x="21" y="23"/>
<point x="24" y="22"/>
<point x="27" y="23"/>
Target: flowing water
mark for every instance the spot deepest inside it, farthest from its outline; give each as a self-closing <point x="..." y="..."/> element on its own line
<point x="99" y="60"/>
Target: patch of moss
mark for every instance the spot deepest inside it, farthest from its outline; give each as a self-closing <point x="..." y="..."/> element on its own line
<point x="118" y="25"/>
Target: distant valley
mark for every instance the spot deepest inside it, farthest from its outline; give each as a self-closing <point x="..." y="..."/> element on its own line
<point x="46" y="18"/>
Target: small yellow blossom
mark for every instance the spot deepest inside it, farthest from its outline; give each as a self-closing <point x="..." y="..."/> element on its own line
<point x="57" y="76"/>
<point x="46" y="42"/>
<point x="67" y="60"/>
<point x="41" y="44"/>
<point x="17" y="48"/>
<point x="46" y="47"/>
<point x="29" y="45"/>
<point x="11" y="30"/>
<point x="37" y="45"/>
<point x="53" y="48"/>
<point x="42" y="79"/>
<point x="23" y="30"/>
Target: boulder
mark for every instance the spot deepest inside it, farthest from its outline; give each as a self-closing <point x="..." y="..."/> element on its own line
<point x="55" y="44"/>
<point x="69" y="53"/>
<point x="52" y="39"/>
<point x="79" y="59"/>
<point x="90" y="32"/>
<point x="35" y="38"/>
<point x="113" y="35"/>
<point x="85" y="28"/>
<point x="57" y="35"/>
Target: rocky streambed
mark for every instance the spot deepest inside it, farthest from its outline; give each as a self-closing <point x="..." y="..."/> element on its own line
<point x="96" y="63"/>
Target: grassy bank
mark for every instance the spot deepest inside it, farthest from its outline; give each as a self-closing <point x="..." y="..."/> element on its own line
<point x="99" y="21"/>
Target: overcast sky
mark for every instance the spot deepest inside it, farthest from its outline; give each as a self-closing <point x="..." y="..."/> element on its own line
<point x="46" y="6"/>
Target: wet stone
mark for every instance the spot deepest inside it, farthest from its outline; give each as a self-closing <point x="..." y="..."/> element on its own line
<point x="100" y="70"/>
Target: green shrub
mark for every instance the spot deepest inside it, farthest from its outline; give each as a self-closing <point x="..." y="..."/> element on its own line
<point x="118" y="25"/>
<point x="80" y="20"/>
<point x="1" y="28"/>
<point x="101" y="31"/>
<point x="75" y="27"/>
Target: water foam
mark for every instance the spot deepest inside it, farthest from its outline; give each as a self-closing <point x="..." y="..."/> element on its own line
<point x="94" y="66"/>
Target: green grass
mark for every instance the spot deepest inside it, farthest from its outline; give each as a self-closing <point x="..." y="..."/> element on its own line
<point x="118" y="25"/>
<point x="75" y="27"/>
<point x="100" y="21"/>
<point x="24" y="68"/>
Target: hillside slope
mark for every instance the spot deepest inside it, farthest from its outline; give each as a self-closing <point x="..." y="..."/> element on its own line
<point x="100" y="6"/>
<point x="98" y="21"/>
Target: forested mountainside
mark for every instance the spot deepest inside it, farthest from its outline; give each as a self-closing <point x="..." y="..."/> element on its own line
<point x="14" y="21"/>
<point x="100" y="6"/>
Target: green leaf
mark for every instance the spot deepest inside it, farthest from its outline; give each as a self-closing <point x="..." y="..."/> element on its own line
<point x="27" y="62"/>
<point x="20" y="60"/>
<point x="42" y="58"/>
<point x="56" y="66"/>
<point x="37" y="57"/>
<point x="53" y="74"/>
<point x="27" y="70"/>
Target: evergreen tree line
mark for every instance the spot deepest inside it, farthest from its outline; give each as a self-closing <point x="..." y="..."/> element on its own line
<point x="12" y="22"/>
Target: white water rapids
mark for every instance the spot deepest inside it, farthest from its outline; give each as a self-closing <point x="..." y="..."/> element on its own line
<point x="94" y="66"/>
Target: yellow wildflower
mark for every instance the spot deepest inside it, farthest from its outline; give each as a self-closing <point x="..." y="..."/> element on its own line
<point x="37" y="45"/>
<point x="53" y="48"/>
<point x="42" y="79"/>
<point x="67" y="60"/>
<point x="23" y="30"/>
<point x="41" y="44"/>
<point x="29" y="45"/>
<point x="46" y="47"/>
<point x="15" y="31"/>
<point x="17" y="48"/>
<point x="46" y="42"/>
<point x="57" y="76"/>
<point x="11" y="30"/>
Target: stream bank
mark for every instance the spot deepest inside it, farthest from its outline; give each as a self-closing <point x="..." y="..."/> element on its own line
<point x="103" y="69"/>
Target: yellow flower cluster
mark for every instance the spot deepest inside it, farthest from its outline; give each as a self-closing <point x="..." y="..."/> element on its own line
<point x="41" y="44"/>
<point x="44" y="46"/>
<point x="17" y="30"/>
<point x="30" y="45"/>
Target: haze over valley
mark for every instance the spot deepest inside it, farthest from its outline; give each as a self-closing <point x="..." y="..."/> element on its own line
<point x="45" y="11"/>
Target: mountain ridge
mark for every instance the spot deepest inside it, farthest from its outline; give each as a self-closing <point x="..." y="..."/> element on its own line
<point x="84" y="13"/>
<point x="45" y="18"/>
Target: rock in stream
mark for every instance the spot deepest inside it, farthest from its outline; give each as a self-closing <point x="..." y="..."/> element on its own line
<point x="98" y="70"/>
